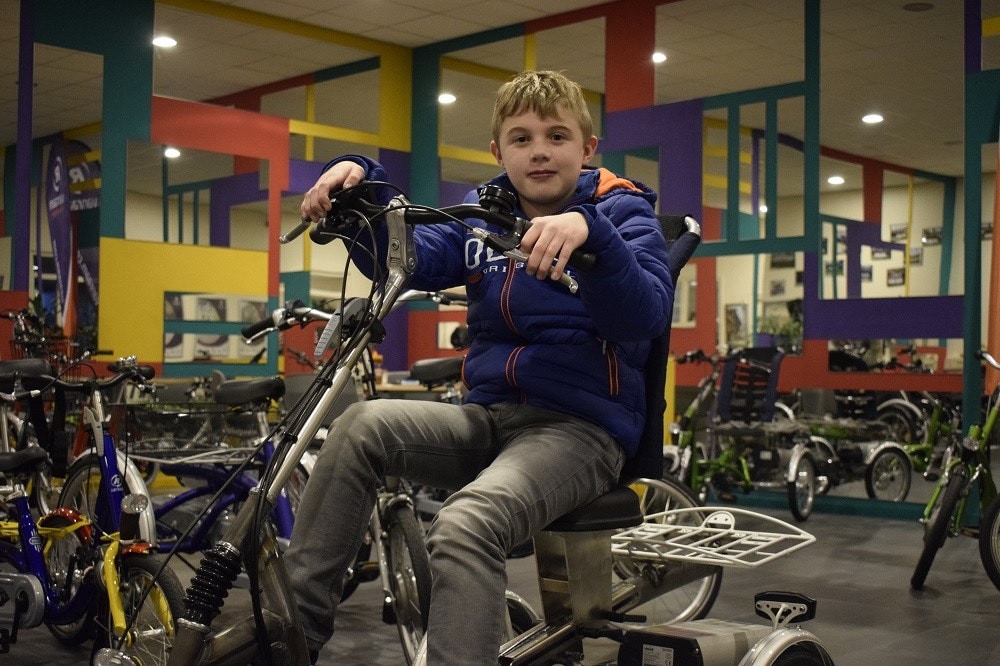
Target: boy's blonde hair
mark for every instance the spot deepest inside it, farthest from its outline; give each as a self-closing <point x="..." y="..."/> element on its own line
<point x="542" y="92"/>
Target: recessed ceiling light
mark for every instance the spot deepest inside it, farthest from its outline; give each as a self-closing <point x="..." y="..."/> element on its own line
<point x="872" y="118"/>
<point x="762" y="208"/>
<point x="164" y="41"/>
<point x="171" y="153"/>
<point x="446" y="98"/>
<point x="659" y="56"/>
<point x="835" y="180"/>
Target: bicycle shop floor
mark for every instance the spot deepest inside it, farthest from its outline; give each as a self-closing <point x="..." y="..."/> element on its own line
<point x="858" y="570"/>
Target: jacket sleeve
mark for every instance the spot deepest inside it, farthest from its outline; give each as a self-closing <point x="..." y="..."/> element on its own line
<point x="629" y="292"/>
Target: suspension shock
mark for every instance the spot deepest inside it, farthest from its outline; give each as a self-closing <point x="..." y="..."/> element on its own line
<point x="216" y="574"/>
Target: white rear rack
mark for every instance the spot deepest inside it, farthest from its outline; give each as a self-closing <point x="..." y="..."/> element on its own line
<point x="716" y="540"/>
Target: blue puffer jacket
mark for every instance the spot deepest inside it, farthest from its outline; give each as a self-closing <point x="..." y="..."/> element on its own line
<point x="535" y="342"/>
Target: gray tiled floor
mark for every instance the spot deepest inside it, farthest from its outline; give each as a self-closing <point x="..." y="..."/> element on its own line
<point x="858" y="570"/>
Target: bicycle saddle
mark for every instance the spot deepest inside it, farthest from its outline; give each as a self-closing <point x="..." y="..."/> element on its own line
<point x="434" y="371"/>
<point x="242" y="391"/>
<point x="23" y="461"/>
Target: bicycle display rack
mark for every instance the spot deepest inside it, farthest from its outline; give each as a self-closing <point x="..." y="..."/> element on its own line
<point x="716" y="541"/>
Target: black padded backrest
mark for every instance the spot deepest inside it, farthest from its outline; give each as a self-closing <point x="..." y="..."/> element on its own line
<point x="748" y="386"/>
<point x="682" y="240"/>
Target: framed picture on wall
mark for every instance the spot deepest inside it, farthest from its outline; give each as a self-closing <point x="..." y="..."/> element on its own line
<point x="880" y="253"/>
<point x="777" y="287"/>
<point x="835" y="267"/>
<point x="895" y="277"/>
<point x="898" y="233"/>
<point x="986" y="232"/>
<point x="866" y="273"/>
<point x="736" y="324"/>
<point x="931" y="236"/>
<point x="916" y="256"/>
<point x="783" y="260"/>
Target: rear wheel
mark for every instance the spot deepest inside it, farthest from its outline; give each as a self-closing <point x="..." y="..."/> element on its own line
<point x="687" y="602"/>
<point x="937" y="525"/>
<point x="802" y="489"/>
<point x="888" y="476"/>
<point x="151" y="618"/>
<point x="68" y="560"/>
<point x="409" y="576"/>
<point x="989" y="541"/>
<point x="901" y="426"/>
<point x="82" y="489"/>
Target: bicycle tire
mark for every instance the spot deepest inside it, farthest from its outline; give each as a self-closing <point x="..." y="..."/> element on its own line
<point x="688" y="602"/>
<point x="409" y="576"/>
<point x="66" y="561"/>
<point x="151" y="635"/>
<point x="937" y="532"/>
<point x="80" y="491"/>
<point x="901" y="425"/>
<point x="802" y="491"/>
<point x="989" y="541"/>
<point x="887" y="478"/>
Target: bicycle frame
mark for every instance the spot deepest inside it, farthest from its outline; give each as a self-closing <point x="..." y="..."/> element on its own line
<point x="194" y="645"/>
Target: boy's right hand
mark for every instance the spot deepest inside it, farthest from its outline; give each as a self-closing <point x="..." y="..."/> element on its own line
<point x="316" y="202"/>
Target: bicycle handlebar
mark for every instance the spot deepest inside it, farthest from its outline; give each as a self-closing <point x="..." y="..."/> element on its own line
<point x="495" y="207"/>
<point x="124" y="369"/>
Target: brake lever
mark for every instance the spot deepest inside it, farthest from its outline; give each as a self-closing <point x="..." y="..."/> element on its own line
<point x="507" y="245"/>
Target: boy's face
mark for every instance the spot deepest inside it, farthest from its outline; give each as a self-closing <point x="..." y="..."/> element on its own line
<point x="543" y="158"/>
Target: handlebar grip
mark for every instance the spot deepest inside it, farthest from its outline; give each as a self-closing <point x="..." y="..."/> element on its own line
<point x="252" y="330"/>
<point x="582" y="261"/>
<point x="299" y="229"/>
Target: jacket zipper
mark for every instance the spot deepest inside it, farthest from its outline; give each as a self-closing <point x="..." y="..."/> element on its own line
<point x="611" y="355"/>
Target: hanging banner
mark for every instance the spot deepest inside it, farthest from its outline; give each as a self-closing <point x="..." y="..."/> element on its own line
<point x="84" y="169"/>
<point x="57" y="198"/>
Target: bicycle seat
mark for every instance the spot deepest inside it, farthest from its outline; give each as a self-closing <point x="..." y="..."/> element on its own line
<point x="432" y="372"/>
<point x="27" y="369"/>
<point x="616" y="509"/>
<point x="242" y="391"/>
<point x="23" y="461"/>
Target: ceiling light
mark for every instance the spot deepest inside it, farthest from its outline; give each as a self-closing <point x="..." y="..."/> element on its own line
<point x="835" y="180"/>
<point x="446" y="98"/>
<point x="164" y="41"/>
<point x="659" y="56"/>
<point x="762" y="208"/>
<point x="171" y="153"/>
<point x="872" y="118"/>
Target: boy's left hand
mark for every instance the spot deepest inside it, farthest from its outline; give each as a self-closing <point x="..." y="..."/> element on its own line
<point x="553" y="237"/>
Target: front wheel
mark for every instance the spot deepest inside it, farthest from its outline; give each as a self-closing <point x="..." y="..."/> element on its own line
<point x="691" y="601"/>
<point x="409" y="576"/>
<point x="938" y="523"/>
<point x="152" y="616"/>
<point x="989" y="541"/>
<point x="802" y="489"/>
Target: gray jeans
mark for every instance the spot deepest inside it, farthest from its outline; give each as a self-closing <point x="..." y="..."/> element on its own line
<point x="515" y="467"/>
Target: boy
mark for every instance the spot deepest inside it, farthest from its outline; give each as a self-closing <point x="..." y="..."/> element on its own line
<point x="555" y="401"/>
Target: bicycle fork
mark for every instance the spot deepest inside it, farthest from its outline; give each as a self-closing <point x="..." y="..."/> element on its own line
<point x="217" y="572"/>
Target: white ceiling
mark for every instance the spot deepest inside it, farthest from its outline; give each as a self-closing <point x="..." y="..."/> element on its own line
<point x="875" y="55"/>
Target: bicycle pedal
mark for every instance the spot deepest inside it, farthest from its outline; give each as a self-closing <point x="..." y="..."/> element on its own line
<point x="970" y="531"/>
<point x="367" y="572"/>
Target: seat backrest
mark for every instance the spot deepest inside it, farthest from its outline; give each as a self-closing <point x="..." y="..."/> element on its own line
<point x="748" y="385"/>
<point x="683" y="235"/>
